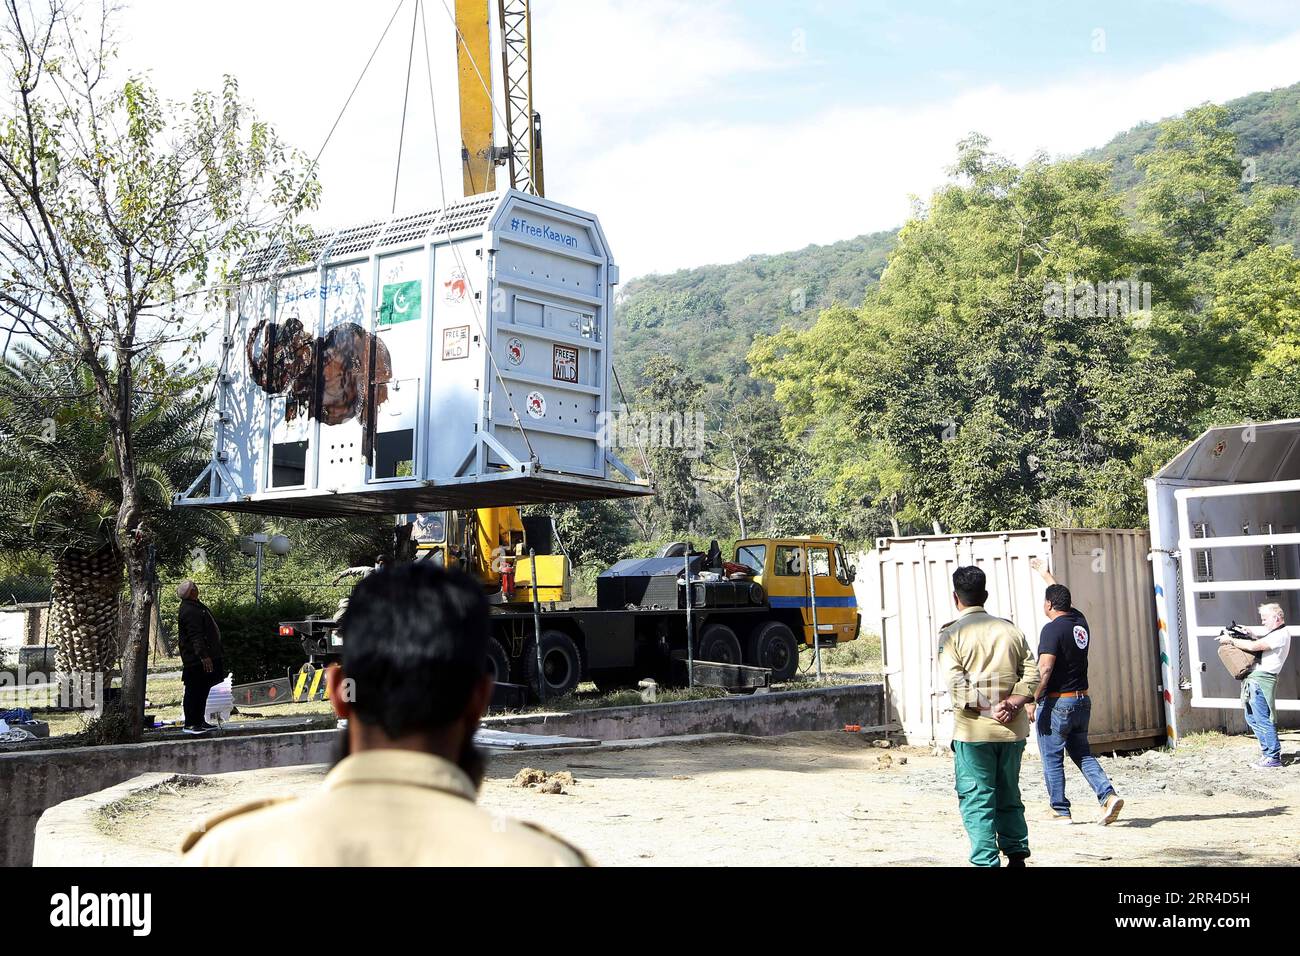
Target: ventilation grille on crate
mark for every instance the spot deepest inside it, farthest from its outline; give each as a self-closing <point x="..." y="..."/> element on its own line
<point x="464" y="215"/>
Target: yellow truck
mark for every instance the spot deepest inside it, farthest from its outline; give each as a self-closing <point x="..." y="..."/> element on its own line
<point x="750" y="613"/>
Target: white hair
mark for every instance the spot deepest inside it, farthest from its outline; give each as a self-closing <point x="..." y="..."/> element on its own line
<point x="184" y="588"/>
<point x="1273" y="610"/>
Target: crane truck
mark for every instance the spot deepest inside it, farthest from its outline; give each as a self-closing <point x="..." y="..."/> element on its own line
<point x="651" y="615"/>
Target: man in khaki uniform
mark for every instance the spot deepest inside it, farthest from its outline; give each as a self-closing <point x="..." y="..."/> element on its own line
<point x="991" y="674"/>
<point x="413" y="686"/>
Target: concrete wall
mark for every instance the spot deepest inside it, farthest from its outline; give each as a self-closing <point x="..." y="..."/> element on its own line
<point x="67" y="833"/>
<point x="33" y="781"/>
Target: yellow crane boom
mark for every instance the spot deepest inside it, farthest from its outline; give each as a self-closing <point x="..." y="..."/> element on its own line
<point x="522" y="124"/>
<point x="474" y="80"/>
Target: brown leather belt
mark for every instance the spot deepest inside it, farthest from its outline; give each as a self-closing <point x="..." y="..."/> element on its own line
<point x="1070" y="693"/>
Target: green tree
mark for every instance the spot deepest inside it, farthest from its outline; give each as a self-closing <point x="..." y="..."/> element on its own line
<point x="59" y="492"/>
<point x="1234" y="302"/>
<point x="964" y="392"/>
<point x="668" y="406"/>
<point x="1192" y="180"/>
<point x="115" y="208"/>
<point x="743" y="444"/>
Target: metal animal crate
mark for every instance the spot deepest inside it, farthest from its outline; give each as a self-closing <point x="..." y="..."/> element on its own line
<point x="456" y="358"/>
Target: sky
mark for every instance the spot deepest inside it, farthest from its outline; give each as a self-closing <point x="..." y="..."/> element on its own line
<point x="703" y="131"/>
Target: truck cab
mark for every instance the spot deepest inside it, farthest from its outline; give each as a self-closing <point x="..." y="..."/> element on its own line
<point x="783" y="565"/>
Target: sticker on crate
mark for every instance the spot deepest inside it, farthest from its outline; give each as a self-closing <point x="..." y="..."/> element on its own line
<point x="565" y="366"/>
<point x="457" y="287"/>
<point x="455" y="342"/>
<point x="536" y="404"/>
<point x="515" y="351"/>
<point x="400" y="302"/>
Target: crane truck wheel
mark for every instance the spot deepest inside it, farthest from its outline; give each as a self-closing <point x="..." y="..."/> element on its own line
<point x="773" y="645"/>
<point x="498" y="661"/>
<point x="719" y="644"/>
<point x="561" y="665"/>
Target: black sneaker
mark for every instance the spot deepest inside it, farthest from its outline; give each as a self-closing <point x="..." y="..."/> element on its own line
<point x="1016" y="860"/>
<point x="207" y="726"/>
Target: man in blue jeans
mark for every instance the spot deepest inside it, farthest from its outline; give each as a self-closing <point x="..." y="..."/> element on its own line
<point x="1063" y="705"/>
<point x="1259" y="688"/>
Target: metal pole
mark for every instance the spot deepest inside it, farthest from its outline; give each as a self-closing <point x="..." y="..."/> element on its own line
<point x="690" y="629"/>
<point x="932" y="642"/>
<point x="812" y="599"/>
<point x="537" y="625"/>
<point x="257" y="587"/>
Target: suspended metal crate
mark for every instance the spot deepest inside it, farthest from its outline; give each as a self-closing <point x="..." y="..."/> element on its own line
<point x="457" y="358"/>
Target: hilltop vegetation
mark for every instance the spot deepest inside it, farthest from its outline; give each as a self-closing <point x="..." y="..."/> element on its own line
<point x="707" y="317"/>
<point x="948" y="388"/>
<point x="1267" y="131"/>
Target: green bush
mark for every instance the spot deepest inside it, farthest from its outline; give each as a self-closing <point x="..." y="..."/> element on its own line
<point x="250" y="634"/>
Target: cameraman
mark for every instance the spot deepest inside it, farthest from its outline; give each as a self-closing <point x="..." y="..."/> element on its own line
<point x="1260" y="686"/>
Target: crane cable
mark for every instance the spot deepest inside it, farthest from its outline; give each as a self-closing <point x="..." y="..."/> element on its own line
<point x="406" y="98"/>
<point x="455" y="249"/>
<point x="311" y="168"/>
<point x="417" y="15"/>
<point x="645" y="462"/>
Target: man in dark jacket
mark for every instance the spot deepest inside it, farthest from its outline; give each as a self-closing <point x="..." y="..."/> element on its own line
<point x="202" y="657"/>
<point x="1064" y="707"/>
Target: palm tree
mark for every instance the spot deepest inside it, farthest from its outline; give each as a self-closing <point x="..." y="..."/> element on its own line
<point x="59" y="491"/>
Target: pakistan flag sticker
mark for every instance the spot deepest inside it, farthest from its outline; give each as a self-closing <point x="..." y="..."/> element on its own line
<point x="401" y="302"/>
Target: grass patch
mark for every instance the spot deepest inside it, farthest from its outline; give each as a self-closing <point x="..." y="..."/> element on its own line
<point x="1201" y="740"/>
<point x="830" y="678"/>
<point x="109" y="817"/>
<point x="162" y="665"/>
<point x="861" y="656"/>
<point x="164" y="695"/>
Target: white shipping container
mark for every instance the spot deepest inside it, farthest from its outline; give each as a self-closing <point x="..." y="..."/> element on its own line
<point x="456" y="358"/>
<point x="905" y="592"/>
<point x="1225" y="538"/>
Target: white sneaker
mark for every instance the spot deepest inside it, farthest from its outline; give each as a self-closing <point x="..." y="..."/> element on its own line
<point x="1110" y="809"/>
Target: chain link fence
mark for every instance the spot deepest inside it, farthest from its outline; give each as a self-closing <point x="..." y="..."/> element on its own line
<point x="18" y="590"/>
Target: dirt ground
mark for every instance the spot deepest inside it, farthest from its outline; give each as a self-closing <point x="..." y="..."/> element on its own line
<point x="825" y="798"/>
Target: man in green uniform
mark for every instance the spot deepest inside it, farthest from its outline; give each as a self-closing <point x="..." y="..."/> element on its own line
<point x="991" y="675"/>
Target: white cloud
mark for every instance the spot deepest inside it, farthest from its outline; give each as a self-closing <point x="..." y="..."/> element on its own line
<point x="1247" y="11"/>
<point x="614" y="79"/>
<point x="686" y="195"/>
<point x="617" y="61"/>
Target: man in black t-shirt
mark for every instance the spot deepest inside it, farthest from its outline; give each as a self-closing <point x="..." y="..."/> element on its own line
<point x="1063" y="706"/>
